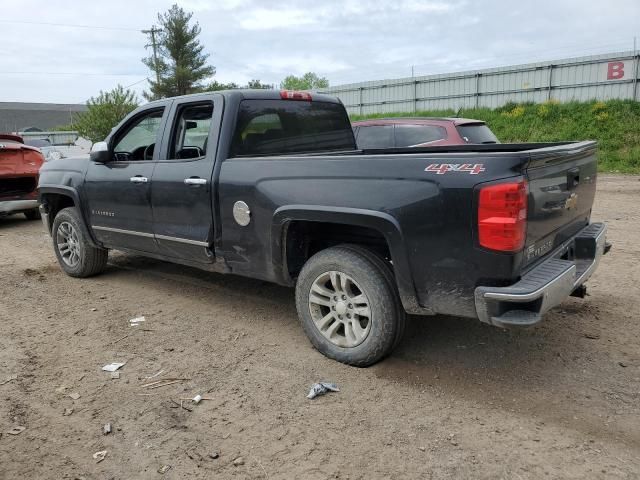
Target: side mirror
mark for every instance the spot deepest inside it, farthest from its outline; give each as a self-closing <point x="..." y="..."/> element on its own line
<point x="100" y="153"/>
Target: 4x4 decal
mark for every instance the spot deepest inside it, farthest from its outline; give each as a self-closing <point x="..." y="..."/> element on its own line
<point x="442" y="168"/>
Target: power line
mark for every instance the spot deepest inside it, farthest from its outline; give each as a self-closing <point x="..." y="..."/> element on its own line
<point x="88" y="74"/>
<point x="70" y="25"/>
<point x="136" y="83"/>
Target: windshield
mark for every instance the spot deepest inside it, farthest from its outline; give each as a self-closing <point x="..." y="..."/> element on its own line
<point x="477" y="133"/>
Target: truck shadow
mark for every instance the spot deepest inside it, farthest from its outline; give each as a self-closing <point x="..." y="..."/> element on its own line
<point x="11" y="221"/>
<point x="464" y="350"/>
<point x="549" y="372"/>
<point x="471" y="354"/>
<point x="228" y="286"/>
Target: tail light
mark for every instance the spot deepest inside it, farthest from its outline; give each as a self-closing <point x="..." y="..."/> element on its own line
<point x="293" y="95"/>
<point x="502" y="216"/>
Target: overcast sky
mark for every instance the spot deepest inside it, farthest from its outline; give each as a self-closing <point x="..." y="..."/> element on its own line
<point x="345" y="41"/>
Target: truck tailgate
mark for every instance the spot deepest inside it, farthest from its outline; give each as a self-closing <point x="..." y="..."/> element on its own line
<point x="562" y="186"/>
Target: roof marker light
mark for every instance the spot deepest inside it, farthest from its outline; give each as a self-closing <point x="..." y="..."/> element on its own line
<point x="294" y="95"/>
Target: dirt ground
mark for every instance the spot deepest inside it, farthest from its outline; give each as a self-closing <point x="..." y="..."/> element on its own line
<point x="458" y="399"/>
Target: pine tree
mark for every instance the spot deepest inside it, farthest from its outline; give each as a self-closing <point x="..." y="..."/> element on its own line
<point x="179" y="65"/>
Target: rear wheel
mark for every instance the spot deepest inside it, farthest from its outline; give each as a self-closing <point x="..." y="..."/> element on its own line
<point x="387" y="271"/>
<point x="76" y="255"/>
<point x="348" y="305"/>
<point x="32" y="214"/>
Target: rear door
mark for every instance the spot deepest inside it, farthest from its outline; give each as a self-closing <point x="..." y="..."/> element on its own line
<point x="182" y="189"/>
<point x="118" y="192"/>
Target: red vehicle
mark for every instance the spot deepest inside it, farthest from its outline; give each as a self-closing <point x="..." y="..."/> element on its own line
<point x="420" y="132"/>
<point x="19" y="167"/>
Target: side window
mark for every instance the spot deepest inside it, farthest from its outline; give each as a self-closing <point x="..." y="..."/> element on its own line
<point x="138" y="141"/>
<point x="410" y="135"/>
<point x="375" y="136"/>
<point x="191" y="131"/>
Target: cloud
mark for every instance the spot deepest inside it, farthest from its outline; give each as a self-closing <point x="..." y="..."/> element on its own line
<point x="273" y="19"/>
<point x="344" y="40"/>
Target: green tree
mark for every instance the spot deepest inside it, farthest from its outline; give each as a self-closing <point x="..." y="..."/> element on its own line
<point x="216" y="86"/>
<point x="179" y="63"/>
<point x="253" y="84"/>
<point x="104" y="112"/>
<point x="257" y="84"/>
<point x="308" y="81"/>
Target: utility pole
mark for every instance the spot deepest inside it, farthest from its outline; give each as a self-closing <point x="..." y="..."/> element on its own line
<point x="154" y="44"/>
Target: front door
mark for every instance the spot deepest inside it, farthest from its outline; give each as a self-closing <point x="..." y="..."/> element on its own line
<point x="119" y="192"/>
<point x="182" y="190"/>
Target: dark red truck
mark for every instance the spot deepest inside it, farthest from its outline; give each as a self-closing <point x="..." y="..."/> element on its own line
<point x="19" y="167"/>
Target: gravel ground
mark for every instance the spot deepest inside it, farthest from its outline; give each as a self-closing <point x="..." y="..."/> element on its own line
<point x="458" y="399"/>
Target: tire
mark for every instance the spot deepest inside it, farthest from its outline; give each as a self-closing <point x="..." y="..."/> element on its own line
<point x="387" y="269"/>
<point x="77" y="256"/>
<point x="349" y="281"/>
<point x="32" y="214"/>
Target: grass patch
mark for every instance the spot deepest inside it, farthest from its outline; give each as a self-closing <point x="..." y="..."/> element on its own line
<point x="615" y="124"/>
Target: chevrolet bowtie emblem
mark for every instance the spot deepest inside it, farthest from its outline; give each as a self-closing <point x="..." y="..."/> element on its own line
<point x="572" y="202"/>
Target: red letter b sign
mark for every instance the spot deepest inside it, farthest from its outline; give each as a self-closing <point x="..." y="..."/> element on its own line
<point x="615" y="70"/>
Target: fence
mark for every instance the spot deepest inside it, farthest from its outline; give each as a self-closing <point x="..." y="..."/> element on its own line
<point x="54" y="138"/>
<point x="600" y="77"/>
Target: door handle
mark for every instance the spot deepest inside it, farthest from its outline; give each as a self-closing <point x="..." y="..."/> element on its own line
<point x="195" y="181"/>
<point x="139" y="179"/>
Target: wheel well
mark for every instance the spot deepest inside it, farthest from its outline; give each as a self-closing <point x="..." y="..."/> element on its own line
<point x="56" y="202"/>
<point x="306" y="238"/>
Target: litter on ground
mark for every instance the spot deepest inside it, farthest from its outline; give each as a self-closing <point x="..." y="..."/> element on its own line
<point x="163" y="382"/>
<point x="134" y="322"/>
<point x="99" y="456"/>
<point x="112" y="367"/>
<point x="321" y="388"/>
<point x="16" y="430"/>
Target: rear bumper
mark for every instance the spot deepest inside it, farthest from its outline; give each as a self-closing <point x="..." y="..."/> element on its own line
<point x="546" y="285"/>
<point x="15" y="206"/>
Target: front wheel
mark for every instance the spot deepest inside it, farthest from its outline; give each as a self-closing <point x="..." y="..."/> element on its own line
<point x="349" y="306"/>
<point x="76" y="255"/>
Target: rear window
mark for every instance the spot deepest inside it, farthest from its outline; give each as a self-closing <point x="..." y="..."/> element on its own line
<point x="410" y="135"/>
<point x="273" y="127"/>
<point x="375" y="136"/>
<point x="477" y="133"/>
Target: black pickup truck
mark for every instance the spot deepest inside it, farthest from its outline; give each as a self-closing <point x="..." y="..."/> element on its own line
<point x="270" y="185"/>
